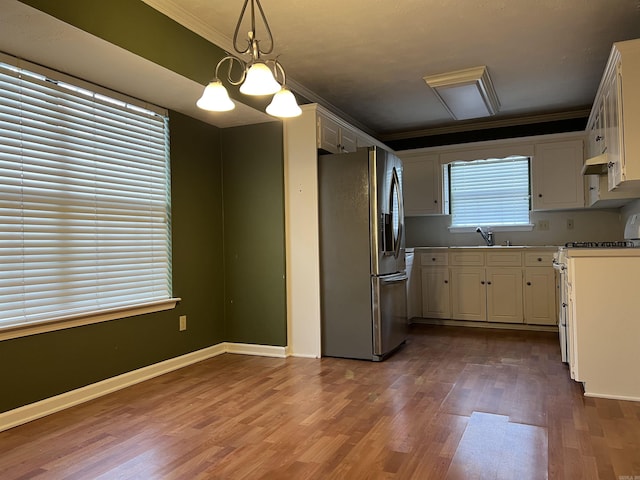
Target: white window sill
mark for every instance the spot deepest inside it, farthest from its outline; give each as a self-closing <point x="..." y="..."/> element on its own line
<point x="25" y="329"/>
<point x="501" y="228"/>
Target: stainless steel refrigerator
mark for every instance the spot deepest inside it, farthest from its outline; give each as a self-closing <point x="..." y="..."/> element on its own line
<point x="362" y="263"/>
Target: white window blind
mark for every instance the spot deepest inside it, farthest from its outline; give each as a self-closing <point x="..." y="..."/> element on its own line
<point x="493" y="192"/>
<point x="84" y="201"/>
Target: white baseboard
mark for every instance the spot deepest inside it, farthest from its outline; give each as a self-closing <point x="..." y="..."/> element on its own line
<point x="628" y="398"/>
<point x="33" y="411"/>
<point x="252" y="349"/>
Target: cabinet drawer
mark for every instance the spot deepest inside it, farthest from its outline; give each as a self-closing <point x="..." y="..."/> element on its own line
<point x="538" y="259"/>
<point x="434" y="258"/>
<point x="504" y="259"/>
<point x="466" y="257"/>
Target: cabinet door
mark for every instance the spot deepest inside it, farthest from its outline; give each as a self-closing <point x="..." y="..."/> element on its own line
<point x="599" y="195"/>
<point x="468" y="293"/>
<point x="414" y="295"/>
<point x="435" y="292"/>
<point x="614" y="125"/>
<point x="362" y="141"/>
<point x="328" y="135"/>
<point x="557" y="181"/>
<point x="348" y="140"/>
<point x="597" y="139"/>
<point x="504" y="294"/>
<point x="540" y="296"/>
<point x="422" y="185"/>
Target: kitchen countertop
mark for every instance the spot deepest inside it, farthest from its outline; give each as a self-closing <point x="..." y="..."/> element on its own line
<point x="495" y="247"/>
<point x="602" y="252"/>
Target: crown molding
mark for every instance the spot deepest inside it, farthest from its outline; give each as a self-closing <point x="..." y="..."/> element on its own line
<point x="176" y="12"/>
<point x="488" y="124"/>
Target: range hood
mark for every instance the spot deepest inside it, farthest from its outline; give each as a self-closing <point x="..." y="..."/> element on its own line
<point x="596" y="165"/>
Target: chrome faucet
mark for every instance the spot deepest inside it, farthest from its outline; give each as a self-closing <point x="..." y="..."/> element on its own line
<point x="488" y="236"/>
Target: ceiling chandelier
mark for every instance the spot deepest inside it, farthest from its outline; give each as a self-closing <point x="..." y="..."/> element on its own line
<point x="258" y="76"/>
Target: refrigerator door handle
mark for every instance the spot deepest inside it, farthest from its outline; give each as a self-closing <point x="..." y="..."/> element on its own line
<point x="397" y="214"/>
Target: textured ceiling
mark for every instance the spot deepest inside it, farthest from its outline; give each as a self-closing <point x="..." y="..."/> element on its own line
<point x="366" y="58"/>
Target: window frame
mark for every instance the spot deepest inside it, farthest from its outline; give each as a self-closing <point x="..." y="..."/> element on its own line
<point x="496" y="227"/>
<point x="53" y="322"/>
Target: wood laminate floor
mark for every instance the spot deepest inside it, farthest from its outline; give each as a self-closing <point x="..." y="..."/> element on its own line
<point x="454" y="403"/>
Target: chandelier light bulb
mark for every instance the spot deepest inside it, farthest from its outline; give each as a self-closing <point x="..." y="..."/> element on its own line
<point x="259" y="81"/>
<point x="284" y="105"/>
<point x="215" y="98"/>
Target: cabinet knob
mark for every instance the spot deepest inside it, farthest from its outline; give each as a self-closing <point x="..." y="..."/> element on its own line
<point x="539" y="195"/>
<point x="528" y="283"/>
<point x="482" y="282"/>
<point x="446" y="281"/>
<point x="488" y="283"/>
<point x="433" y="259"/>
<point x="539" y="259"/>
<point x="435" y="201"/>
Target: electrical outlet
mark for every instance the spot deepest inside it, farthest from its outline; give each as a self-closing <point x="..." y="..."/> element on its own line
<point x="569" y="223"/>
<point x="183" y="322"/>
<point x="543" y="224"/>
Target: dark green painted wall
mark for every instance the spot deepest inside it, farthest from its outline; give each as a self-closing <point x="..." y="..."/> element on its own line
<point x="253" y="182"/>
<point x="251" y="227"/>
<point x="135" y="26"/>
<point x="40" y="366"/>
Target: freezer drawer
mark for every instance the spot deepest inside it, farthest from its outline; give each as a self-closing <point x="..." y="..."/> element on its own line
<point x="389" y="307"/>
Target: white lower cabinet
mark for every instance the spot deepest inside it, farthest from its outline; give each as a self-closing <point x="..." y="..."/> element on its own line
<point x="468" y="293"/>
<point x="488" y="293"/>
<point x="504" y="294"/>
<point x="540" y="289"/>
<point x="512" y="286"/>
<point x="434" y="272"/>
<point x="436" y="298"/>
<point x="540" y="296"/>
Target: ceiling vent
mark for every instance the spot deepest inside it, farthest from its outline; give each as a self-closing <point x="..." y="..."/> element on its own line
<point x="466" y="93"/>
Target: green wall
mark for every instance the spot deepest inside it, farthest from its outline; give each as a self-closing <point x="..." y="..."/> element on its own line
<point x="223" y="251"/>
<point x="135" y="26"/>
<point x="253" y="182"/>
<point x="40" y="366"/>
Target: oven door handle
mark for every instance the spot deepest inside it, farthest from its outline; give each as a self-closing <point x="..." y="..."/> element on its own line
<point x="559" y="266"/>
<point x="564" y="317"/>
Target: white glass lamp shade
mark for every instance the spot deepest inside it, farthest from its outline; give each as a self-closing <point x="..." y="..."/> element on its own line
<point x="284" y="105"/>
<point x="215" y="98"/>
<point x="259" y="81"/>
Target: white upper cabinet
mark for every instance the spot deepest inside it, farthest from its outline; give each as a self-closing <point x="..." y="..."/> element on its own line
<point x="556" y="179"/>
<point x="334" y="137"/>
<point x="614" y="122"/>
<point x="422" y="184"/>
<point x="557" y="182"/>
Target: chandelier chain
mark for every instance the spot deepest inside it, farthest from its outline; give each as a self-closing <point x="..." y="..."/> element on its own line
<point x="253" y="44"/>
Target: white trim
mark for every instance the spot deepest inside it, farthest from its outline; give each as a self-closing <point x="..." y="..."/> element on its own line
<point x="525" y="145"/>
<point x="475" y="324"/>
<point x="78" y="320"/>
<point x="33" y="411"/>
<point x="260" y="350"/>
<point x="526" y="227"/>
<point x="175" y="11"/>
<point x="487" y="124"/>
<point x="612" y="397"/>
